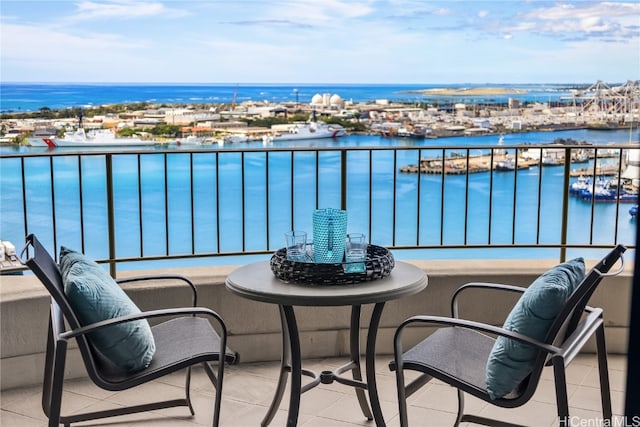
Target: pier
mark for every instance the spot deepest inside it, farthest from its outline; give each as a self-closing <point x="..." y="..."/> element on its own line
<point x="457" y="165"/>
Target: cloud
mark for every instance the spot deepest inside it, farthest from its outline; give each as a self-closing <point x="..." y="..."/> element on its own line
<point x="309" y="40"/>
<point x="50" y="43"/>
<point x="122" y="9"/>
<point x="583" y="21"/>
<point x="271" y="23"/>
<point x="313" y="11"/>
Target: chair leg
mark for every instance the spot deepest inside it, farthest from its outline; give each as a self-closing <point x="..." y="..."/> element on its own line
<point x="603" y="368"/>
<point x="460" y="408"/>
<point x="402" y="397"/>
<point x="187" y="390"/>
<point x="216" y="380"/>
<point x="55" y="402"/>
<point x="218" y="404"/>
<point x="560" y="380"/>
<point x="47" y="382"/>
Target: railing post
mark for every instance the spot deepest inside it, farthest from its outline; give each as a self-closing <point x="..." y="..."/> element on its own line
<point x="565" y="204"/>
<point x="343" y="180"/>
<point x="111" y="222"/>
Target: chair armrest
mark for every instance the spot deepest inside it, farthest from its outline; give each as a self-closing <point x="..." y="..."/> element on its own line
<point x="481" y="285"/>
<point x="470" y="324"/>
<point x="574" y="343"/>
<point x="145" y="315"/>
<point x="178" y="277"/>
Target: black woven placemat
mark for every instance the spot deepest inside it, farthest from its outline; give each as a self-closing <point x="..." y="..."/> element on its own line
<point x="378" y="264"/>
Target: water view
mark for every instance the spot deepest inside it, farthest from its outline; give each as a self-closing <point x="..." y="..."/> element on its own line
<point x="217" y="173"/>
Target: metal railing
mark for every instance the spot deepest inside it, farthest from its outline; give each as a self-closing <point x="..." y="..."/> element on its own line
<point x="130" y="206"/>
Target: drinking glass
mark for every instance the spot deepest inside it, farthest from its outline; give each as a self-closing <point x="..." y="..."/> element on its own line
<point x="356" y="253"/>
<point x="296" y="244"/>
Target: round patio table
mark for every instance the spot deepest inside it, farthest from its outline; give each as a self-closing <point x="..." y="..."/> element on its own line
<point x="256" y="282"/>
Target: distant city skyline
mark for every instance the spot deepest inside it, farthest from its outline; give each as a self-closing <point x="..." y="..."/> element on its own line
<point x="309" y="41"/>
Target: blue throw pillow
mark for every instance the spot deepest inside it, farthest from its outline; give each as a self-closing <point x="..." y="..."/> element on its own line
<point x="510" y="361"/>
<point x="95" y="296"/>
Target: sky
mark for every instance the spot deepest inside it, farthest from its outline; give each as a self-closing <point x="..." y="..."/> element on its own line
<point x="319" y="41"/>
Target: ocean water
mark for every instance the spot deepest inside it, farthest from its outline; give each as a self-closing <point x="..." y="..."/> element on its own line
<point x="22" y="97"/>
<point x="609" y="221"/>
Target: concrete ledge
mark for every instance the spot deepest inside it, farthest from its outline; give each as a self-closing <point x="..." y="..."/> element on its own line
<point x="254" y="328"/>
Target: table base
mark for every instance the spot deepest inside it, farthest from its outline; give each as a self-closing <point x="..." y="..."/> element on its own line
<point x="292" y="363"/>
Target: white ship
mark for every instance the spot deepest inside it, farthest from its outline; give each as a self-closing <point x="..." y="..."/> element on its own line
<point x="310" y="130"/>
<point x="95" y="138"/>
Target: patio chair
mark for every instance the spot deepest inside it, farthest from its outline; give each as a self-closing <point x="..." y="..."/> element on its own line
<point x="188" y="338"/>
<point x="480" y="359"/>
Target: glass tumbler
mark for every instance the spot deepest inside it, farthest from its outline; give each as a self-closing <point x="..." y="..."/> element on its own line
<point x="296" y="244"/>
<point x="356" y="253"/>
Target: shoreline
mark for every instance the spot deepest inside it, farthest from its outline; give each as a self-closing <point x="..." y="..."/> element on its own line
<point x="469" y="91"/>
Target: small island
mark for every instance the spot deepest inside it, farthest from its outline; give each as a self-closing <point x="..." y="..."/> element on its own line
<point x="469" y="91"/>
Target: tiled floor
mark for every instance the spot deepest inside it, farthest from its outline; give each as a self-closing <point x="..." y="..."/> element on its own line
<point x="248" y="389"/>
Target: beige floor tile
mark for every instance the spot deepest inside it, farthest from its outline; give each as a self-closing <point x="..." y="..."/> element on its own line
<point x="249" y="388"/>
<point x="425" y="417"/>
<point x="546" y="391"/>
<point x="149" y="392"/>
<point x="617" y="362"/>
<point x="532" y="414"/>
<point x="617" y="379"/>
<point x="20" y="395"/>
<point x="11" y="419"/>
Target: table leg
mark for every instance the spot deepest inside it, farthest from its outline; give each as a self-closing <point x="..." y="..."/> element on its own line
<point x="356" y="372"/>
<point x="285" y="367"/>
<point x="292" y="362"/>
<point x="296" y="364"/>
<point x="371" y="364"/>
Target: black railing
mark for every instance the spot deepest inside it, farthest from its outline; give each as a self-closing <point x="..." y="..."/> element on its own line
<point x="158" y="205"/>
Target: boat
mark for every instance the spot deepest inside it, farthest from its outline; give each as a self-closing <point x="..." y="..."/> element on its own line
<point x="604" y="192"/>
<point x="583" y="183"/>
<point x="506" y="165"/>
<point x="190" y="140"/>
<point x="94" y="138"/>
<point x="236" y="138"/>
<point x="416" y="132"/>
<point x="581" y="156"/>
<point x="549" y="160"/>
<point x="633" y="211"/>
<point x="309" y="130"/>
<point x="509" y="164"/>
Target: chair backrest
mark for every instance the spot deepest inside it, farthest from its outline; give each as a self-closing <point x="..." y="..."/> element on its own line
<point x="567" y="321"/>
<point x="570" y="315"/>
<point x="47" y="270"/>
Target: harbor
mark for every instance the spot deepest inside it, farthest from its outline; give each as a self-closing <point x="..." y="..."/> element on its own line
<point x="608" y="175"/>
<point x="500" y="160"/>
<point x="464" y="154"/>
<point x="188" y="184"/>
<point x="432" y="116"/>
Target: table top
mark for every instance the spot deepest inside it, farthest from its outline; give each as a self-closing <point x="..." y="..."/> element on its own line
<point x="256" y="281"/>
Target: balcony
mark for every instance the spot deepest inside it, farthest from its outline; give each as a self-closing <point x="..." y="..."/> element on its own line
<point x="248" y="389"/>
<point x="217" y="210"/>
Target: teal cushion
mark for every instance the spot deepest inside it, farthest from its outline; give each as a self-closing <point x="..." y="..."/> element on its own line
<point x="510" y="361"/>
<point x="95" y="296"/>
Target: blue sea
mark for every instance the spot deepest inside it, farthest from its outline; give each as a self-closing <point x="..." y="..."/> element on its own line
<point x="609" y="220"/>
<point x="24" y="97"/>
